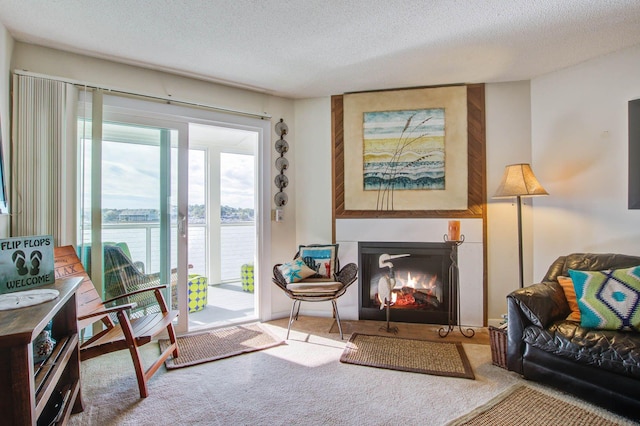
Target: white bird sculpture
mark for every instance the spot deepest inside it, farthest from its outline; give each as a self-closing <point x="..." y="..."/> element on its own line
<point x="388" y="282"/>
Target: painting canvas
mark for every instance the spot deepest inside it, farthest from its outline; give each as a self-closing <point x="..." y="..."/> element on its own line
<point x="406" y="150"/>
<point x="403" y="150"/>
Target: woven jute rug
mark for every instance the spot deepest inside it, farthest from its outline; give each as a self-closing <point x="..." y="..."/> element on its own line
<point x="218" y="344"/>
<point x="418" y="356"/>
<point x="523" y="405"/>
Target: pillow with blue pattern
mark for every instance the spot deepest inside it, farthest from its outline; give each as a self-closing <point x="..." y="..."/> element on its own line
<point x="321" y="258"/>
<point x="295" y="271"/>
<point x="609" y="299"/>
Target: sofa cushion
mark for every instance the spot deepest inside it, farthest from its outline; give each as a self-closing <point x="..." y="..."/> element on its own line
<point x="615" y="351"/>
<point x="609" y="299"/>
<point x="315" y="287"/>
<point x="570" y="294"/>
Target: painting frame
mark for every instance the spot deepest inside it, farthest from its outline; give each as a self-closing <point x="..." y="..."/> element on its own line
<point x="475" y="173"/>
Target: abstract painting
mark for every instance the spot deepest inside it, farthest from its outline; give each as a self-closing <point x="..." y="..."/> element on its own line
<point x="403" y="150"/>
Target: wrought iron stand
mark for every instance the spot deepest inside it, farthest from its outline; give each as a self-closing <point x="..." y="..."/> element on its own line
<point x="389" y="328"/>
<point x="454" y="292"/>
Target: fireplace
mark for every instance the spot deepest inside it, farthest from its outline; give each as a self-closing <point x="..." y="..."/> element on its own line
<point x="420" y="271"/>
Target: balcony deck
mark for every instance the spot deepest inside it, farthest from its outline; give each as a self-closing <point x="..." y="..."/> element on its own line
<point x="227" y="304"/>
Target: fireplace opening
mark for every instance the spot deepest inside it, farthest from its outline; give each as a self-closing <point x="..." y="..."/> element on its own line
<point x="414" y="276"/>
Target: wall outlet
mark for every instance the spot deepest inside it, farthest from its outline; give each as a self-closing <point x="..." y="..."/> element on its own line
<point x="277" y="215"/>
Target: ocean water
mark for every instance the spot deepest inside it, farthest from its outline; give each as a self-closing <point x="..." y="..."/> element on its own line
<point x="413" y="175"/>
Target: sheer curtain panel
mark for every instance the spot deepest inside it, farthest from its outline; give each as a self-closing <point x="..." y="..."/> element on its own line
<point x="43" y="187"/>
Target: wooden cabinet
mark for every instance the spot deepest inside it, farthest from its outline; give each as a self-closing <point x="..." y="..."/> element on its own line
<point x="25" y="389"/>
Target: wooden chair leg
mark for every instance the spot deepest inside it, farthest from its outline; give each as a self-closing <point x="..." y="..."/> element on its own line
<point x="172" y="338"/>
<point x="135" y="354"/>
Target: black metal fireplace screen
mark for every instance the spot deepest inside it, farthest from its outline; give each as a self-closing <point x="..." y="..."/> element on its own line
<point x="413" y="276"/>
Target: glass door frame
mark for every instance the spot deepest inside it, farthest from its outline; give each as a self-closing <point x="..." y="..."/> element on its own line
<point x="162" y="115"/>
<point x="135" y="117"/>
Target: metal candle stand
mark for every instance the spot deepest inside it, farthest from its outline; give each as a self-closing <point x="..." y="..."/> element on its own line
<point x="454" y="291"/>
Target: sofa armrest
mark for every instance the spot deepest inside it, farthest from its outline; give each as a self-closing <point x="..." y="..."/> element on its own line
<point x="541" y="303"/>
<point x="538" y="304"/>
<point x="515" y="331"/>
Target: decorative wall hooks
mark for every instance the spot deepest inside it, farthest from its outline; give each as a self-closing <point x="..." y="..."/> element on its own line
<point x="282" y="164"/>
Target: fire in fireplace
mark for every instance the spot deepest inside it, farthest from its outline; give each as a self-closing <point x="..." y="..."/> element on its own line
<point x="412" y="276"/>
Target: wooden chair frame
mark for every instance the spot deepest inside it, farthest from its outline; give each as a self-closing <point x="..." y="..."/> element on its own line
<point x="126" y="333"/>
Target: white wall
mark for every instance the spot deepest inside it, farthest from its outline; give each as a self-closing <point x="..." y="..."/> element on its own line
<point x="508" y="126"/>
<point x="313" y="171"/>
<point x="580" y="154"/>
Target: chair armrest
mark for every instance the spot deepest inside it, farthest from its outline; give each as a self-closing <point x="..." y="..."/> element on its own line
<point x="108" y="311"/>
<point x="131" y="293"/>
<point x="278" y="278"/>
<point x="348" y="274"/>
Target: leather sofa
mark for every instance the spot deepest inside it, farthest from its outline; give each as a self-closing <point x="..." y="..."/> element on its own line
<point x="600" y="366"/>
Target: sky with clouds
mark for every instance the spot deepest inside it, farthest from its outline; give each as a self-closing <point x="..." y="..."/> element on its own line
<point x="131" y="176"/>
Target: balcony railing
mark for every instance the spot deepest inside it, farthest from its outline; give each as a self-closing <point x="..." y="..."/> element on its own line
<point x="237" y="246"/>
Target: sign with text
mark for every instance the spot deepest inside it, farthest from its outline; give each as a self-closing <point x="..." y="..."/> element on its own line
<point x="25" y="263"/>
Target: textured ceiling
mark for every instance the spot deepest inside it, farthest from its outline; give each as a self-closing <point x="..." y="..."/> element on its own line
<point x="310" y="48"/>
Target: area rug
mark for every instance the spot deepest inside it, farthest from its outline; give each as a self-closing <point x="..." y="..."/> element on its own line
<point x="218" y="344"/>
<point x="523" y="405"/>
<point x="417" y="356"/>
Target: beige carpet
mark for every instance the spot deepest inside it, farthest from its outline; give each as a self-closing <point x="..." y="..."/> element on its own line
<point x="219" y="344"/>
<point x="412" y="355"/>
<point x="524" y="405"/>
<point x="300" y="383"/>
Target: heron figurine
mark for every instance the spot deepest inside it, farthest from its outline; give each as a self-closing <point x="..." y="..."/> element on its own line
<point x="386" y="285"/>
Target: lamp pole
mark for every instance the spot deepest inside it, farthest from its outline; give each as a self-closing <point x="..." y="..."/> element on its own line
<point x="518" y="180"/>
<point x="520" y="257"/>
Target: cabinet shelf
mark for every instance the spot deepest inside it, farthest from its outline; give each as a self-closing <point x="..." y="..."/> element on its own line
<point x="28" y="390"/>
<point x="50" y="373"/>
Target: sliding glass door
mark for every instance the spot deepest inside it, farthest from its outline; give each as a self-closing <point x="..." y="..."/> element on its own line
<point x="222" y="224"/>
<point x="133" y="223"/>
<point x="171" y="196"/>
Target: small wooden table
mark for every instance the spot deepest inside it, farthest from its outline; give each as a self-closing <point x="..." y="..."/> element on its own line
<point x="26" y="389"/>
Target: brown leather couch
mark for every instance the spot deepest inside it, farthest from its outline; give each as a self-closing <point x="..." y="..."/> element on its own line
<point x="600" y="366"/>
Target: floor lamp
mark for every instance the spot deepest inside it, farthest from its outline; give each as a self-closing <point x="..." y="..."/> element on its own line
<point x="519" y="181"/>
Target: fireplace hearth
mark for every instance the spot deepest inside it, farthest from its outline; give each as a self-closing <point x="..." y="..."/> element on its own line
<point x="421" y="274"/>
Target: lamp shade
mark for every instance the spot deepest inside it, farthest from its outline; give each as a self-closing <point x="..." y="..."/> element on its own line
<point x="519" y="181"/>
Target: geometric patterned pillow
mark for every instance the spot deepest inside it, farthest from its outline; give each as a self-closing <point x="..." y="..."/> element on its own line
<point x="610" y="299"/>
<point x="295" y="271"/>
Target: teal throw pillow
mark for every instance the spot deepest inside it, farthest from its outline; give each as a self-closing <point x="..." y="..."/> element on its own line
<point x="610" y="299"/>
<point x="295" y="271"/>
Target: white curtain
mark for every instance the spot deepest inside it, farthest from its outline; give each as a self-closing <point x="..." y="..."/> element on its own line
<point x="43" y="187"/>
